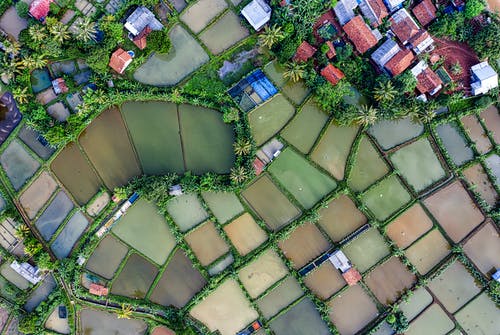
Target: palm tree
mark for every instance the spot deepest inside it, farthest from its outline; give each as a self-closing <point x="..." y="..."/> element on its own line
<point x="425" y="115"/>
<point x="456" y="68"/>
<point x="242" y="147"/>
<point x="32" y="62"/>
<point x="11" y="47"/>
<point x="238" y="175"/>
<point x="271" y="36"/>
<point x="384" y="92"/>
<point x="86" y="30"/>
<point x="59" y="32"/>
<point x="294" y="71"/>
<point x="367" y="115"/>
<point x="37" y="33"/>
<point x="21" y="95"/>
<point x="22" y="231"/>
<point x="125" y="312"/>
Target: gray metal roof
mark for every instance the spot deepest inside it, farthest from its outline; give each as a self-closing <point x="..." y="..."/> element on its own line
<point x="140" y="19"/>
<point x="385" y="52"/>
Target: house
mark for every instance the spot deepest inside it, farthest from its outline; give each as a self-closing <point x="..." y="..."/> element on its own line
<point x="351" y="276"/>
<point x="360" y="34"/>
<point x="403" y="26"/>
<point x="374" y="11"/>
<point x="140" y="19"/>
<point x="340" y="261"/>
<point x="400" y="62"/>
<point x="344" y="10"/>
<point x="39" y="9"/>
<point x="258" y="166"/>
<point x="140" y="40"/>
<point x="257" y="13"/>
<point x="331" y="50"/>
<point x="98" y="290"/>
<point x="27" y="271"/>
<point x="385" y="52"/>
<point x="427" y="80"/>
<point x="59" y="86"/>
<point x="421" y="42"/>
<point x="393" y="5"/>
<point x="332" y="74"/>
<point x="304" y="52"/>
<point x="425" y="12"/>
<point x="119" y="61"/>
<point x="484" y="78"/>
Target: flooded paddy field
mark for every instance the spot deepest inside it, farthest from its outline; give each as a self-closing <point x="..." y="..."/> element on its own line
<point x="455" y="211"/>
<point x="296" y="91"/>
<point x="35" y="142"/>
<point x="428" y="251"/>
<point x="107" y="257"/>
<point x="366" y="250"/>
<point x="269" y="203"/>
<point x="12" y="276"/>
<point x="303" y="130"/>
<point x="145" y="230"/>
<point x="279" y="297"/>
<point x="433" y="321"/>
<point x="54" y="214"/>
<point x="224" y="205"/>
<point x="409" y="226"/>
<point x="491" y="118"/>
<point x="340" y="218"/>
<point x="420" y="299"/>
<point x="332" y="150"/>
<point x="483" y="249"/>
<point x="304" y="244"/>
<point x="454" y="143"/>
<point x="224" y="33"/>
<point x="206" y="243"/>
<point x="393" y="133"/>
<point x="299" y="177"/>
<point x="478" y="179"/>
<point x="57" y="324"/>
<point x="226" y="309"/>
<point x="40" y="293"/>
<point x="268" y="119"/>
<point x="342" y="306"/>
<point x="97" y="322"/>
<point x="37" y="194"/>
<point x="199" y="14"/>
<point x="187" y="211"/>
<point x="135" y="278"/>
<point x="18" y="164"/>
<point x="324" y="281"/>
<point x="303" y="318"/>
<point x="179" y="282"/>
<point x="480" y="316"/>
<point x="477" y="134"/>
<point x="69" y="235"/>
<point x="368" y="167"/>
<point x="245" y="234"/>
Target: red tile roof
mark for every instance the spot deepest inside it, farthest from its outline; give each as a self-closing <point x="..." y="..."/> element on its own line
<point x="119" y="61"/>
<point x="359" y="33"/>
<point x="304" y="52"/>
<point x="258" y="166"/>
<point x="332" y="74"/>
<point x="419" y="37"/>
<point x="331" y="50"/>
<point x="140" y="40"/>
<point x="98" y="290"/>
<point x="425" y="12"/>
<point x="427" y="81"/>
<point x="404" y="29"/>
<point x="400" y="62"/>
<point x="39" y="9"/>
<point x="351" y="276"/>
<point x="379" y="9"/>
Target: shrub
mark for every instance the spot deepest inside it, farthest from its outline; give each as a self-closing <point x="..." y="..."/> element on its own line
<point x="473" y="8"/>
<point x="159" y="41"/>
<point x="22" y="9"/>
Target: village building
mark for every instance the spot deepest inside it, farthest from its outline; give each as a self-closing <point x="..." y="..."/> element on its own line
<point x="39" y="9"/>
<point x="421" y="42"/>
<point x="484" y="78"/>
<point x="332" y="74"/>
<point x="428" y="82"/>
<point x="394" y="5"/>
<point x="360" y="34"/>
<point x="403" y="26"/>
<point x="257" y="13"/>
<point x="400" y="62"/>
<point x="425" y="12"/>
<point x="120" y="60"/>
<point x="344" y="10"/>
<point x="385" y="52"/>
<point x="27" y="271"/>
<point x="351" y="276"/>
<point x="98" y="290"/>
<point x="140" y="24"/>
<point x="304" y="52"/>
<point x="331" y="50"/>
<point x="59" y="86"/>
<point x="374" y="11"/>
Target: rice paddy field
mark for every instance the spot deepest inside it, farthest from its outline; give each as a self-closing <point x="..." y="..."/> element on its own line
<point x="399" y="199"/>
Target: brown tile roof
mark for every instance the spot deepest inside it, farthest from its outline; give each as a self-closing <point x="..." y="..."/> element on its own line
<point x="379" y="9"/>
<point x="119" y="61"/>
<point x="419" y="37"/>
<point x="400" y="62"/>
<point x="351" y="276"/>
<point x="427" y="81"/>
<point x="359" y="33"/>
<point x="331" y="50"/>
<point x="425" y="12"/>
<point x="404" y="29"/>
<point x="140" y="40"/>
<point x="98" y="290"/>
<point x="332" y="74"/>
<point x="258" y="166"/>
<point x="304" y="52"/>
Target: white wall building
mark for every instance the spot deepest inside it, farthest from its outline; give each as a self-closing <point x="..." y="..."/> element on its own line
<point x="257" y="13"/>
<point x="484" y="78"/>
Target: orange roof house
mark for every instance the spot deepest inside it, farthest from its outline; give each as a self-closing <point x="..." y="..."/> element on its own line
<point x="258" y="166"/>
<point x="425" y="12"/>
<point x="98" y="290"/>
<point x="119" y="61"/>
<point x="140" y="40"/>
<point x="332" y="74"/>
<point x="427" y="80"/>
<point x="331" y="50"/>
<point x="351" y="276"/>
<point x="39" y="9"/>
<point x="374" y="11"/>
<point x="360" y="35"/>
<point x="403" y="26"/>
<point x="400" y="62"/>
<point x="304" y="52"/>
